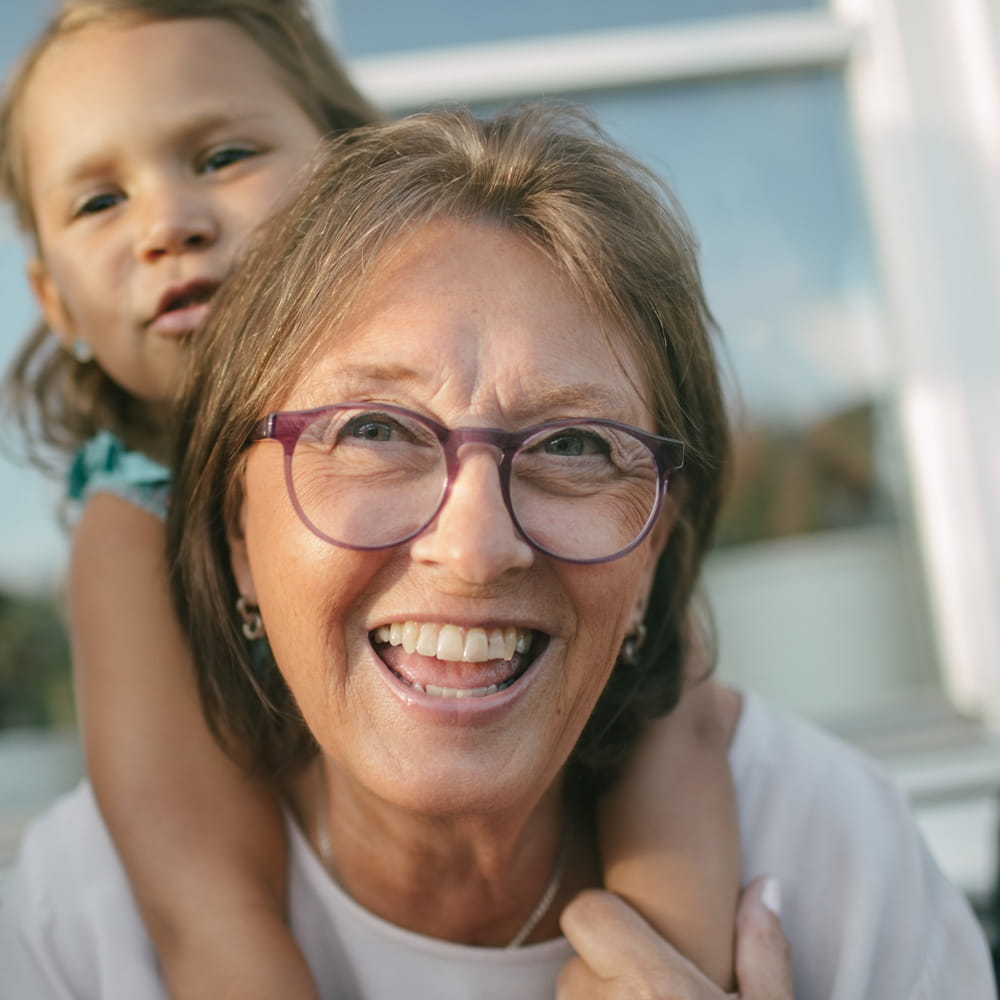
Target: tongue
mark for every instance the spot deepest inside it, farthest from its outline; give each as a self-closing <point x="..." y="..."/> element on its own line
<point x="424" y="670"/>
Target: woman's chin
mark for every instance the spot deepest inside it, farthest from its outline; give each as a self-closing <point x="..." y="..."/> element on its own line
<point x="430" y="751"/>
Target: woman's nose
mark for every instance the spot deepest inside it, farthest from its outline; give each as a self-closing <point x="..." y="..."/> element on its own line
<point x="174" y="222"/>
<point x="473" y="535"/>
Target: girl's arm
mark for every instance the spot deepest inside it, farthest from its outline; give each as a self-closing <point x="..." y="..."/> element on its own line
<point x="619" y="955"/>
<point x="202" y="843"/>
<point x="668" y="830"/>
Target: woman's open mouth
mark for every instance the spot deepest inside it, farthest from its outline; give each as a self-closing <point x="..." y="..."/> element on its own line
<point x="449" y="661"/>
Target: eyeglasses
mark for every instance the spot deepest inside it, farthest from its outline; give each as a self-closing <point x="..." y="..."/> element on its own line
<point x="371" y="476"/>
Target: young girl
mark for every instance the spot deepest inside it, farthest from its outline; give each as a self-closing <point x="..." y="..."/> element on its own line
<point x="142" y="142"/>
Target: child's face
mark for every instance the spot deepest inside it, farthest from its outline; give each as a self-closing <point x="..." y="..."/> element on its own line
<point x="153" y="150"/>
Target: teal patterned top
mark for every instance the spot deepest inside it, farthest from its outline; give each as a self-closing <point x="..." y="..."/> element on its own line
<point x="105" y="465"/>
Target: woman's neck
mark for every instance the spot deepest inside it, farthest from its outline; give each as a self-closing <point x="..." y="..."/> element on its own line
<point x="469" y="879"/>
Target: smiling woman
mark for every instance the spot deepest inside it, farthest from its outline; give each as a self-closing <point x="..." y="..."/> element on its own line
<point x="433" y="457"/>
<point x="486" y="315"/>
<point x="485" y="307"/>
<point x="456" y="306"/>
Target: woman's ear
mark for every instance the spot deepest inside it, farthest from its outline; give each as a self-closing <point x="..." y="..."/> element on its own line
<point x="239" y="560"/>
<point x="658" y="542"/>
<point x="50" y="302"/>
<point x="660" y="534"/>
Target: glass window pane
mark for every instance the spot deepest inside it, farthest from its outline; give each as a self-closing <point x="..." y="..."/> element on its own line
<point x="366" y="27"/>
<point x="764" y="169"/>
<point x="788" y="265"/>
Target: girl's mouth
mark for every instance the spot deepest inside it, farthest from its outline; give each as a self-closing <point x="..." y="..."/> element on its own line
<point x="449" y="661"/>
<point x="193" y="293"/>
<point x="183" y="308"/>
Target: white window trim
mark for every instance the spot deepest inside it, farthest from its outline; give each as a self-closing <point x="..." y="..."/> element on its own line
<point x="923" y="81"/>
<point x="594" y="60"/>
<point x="924" y="92"/>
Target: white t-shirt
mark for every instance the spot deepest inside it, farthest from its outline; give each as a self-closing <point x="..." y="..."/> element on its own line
<point x="868" y="914"/>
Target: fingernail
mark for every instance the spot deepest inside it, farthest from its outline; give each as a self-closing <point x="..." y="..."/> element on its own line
<point x="770" y="895"/>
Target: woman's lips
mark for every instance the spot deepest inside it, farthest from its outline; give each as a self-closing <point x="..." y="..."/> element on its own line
<point x="448" y="661"/>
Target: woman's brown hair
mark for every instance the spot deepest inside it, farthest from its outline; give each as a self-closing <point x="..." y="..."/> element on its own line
<point x="547" y="174"/>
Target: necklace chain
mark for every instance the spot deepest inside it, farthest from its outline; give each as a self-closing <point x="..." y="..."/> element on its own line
<point x="542" y="906"/>
<point x="534" y="918"/>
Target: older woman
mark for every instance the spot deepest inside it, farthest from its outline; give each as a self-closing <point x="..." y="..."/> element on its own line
<point x="427" y="460"/>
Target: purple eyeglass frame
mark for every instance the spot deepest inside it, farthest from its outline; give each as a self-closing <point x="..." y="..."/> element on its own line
<point x="287" y="426"/>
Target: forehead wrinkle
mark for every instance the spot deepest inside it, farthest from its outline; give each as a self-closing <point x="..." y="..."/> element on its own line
<point x="537" y="399"/>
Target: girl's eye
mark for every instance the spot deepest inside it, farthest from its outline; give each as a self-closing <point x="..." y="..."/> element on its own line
<point x="219" y="159"/>
<point x="98" y="203"/>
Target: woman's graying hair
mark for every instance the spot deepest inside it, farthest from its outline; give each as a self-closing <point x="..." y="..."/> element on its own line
<point x="59" y="402"/>
<point x="547" y="174"/>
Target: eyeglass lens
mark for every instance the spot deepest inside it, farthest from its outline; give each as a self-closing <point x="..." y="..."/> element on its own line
<point x="372" y="479"/>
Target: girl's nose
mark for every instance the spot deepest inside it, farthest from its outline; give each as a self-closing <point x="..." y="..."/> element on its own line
<point x="473" y="535"/>
<point x="175" y="224"/>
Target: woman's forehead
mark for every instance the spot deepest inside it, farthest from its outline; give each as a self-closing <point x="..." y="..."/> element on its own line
<point x="475" y="313"/>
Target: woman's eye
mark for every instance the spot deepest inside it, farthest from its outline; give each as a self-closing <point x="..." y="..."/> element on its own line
<point x="574" y="443"/>
<point x="372" y="431"/>
<point x="369" y="427"/>
<point x="98" y="203"/>
<point x="385" y="428"/>
<point x="219" y="159"/>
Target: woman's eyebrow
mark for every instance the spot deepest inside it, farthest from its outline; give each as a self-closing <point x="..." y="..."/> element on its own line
<point x="541" y="400"/>
<point x="364" y="379"/>
<point x="593" y="398"/>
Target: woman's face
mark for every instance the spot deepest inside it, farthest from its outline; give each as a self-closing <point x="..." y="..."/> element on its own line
<point x="471" y="326"/>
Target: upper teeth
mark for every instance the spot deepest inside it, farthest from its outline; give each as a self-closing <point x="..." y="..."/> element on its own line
<point x="452" y="642"/>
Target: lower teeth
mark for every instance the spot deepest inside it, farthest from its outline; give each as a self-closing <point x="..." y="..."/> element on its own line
<point x="441" y="692"/>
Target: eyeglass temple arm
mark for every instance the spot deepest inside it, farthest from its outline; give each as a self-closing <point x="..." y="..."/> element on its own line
<point x="264" y="428"/>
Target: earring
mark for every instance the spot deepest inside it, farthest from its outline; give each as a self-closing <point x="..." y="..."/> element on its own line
<point x="632" y="644"/>
<point x="252" y="623"/>
<point x="81" y="351"/>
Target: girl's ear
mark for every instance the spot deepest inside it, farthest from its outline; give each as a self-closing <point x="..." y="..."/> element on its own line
<point x="50" y="302"/>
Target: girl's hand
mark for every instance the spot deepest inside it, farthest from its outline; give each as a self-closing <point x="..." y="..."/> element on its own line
<point x="620" y="957"/>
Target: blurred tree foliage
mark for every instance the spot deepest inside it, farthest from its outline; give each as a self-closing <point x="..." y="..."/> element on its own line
<point x="35" y="681"/>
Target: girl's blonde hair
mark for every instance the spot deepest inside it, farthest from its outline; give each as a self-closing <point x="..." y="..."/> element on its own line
<point x="57" y="401"/>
